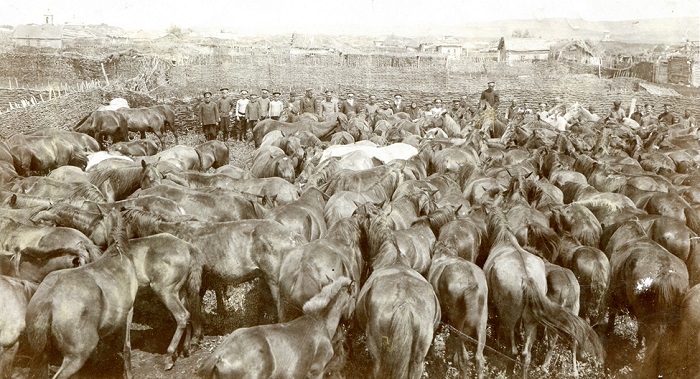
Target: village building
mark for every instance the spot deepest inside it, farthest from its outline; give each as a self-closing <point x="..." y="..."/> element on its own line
<point x="512" y="50"/>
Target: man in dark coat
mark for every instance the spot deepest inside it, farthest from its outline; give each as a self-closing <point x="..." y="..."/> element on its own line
<point x="667" y="117"/>
<point x="308" y="103"/>
<point x="490" y="96"/>
<point x="208" y="113"/>
<point x="349" y="104"/>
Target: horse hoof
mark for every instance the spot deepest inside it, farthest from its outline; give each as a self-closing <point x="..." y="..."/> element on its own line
<point x="169" y="363"/>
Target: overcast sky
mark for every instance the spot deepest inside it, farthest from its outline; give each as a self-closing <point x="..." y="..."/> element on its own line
<point x="330" y="16"/>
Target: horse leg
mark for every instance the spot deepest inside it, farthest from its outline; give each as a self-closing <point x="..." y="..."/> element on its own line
<point x="530" y="327"/>
<point x="181" y="315"/>
<point x="143" y="134"/>
<point x="574" y="349"/>
<point x="39" y="366"/>
<point x="552" y="338"/>
<point x="126" y="351"/>
<point x="7" y="358"/>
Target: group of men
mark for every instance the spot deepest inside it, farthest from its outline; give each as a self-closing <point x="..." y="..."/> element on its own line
<point x="239" y="116"/>
<point x="226" y="115"/>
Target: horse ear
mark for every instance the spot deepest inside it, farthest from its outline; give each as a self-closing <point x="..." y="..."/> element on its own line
<point x="13" y="200"/>
<point x="143" y="164"/>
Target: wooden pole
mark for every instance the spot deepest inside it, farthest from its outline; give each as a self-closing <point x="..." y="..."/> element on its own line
<point x="104" y="72"/>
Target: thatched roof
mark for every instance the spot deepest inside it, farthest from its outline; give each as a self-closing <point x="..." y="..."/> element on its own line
<point x="524" y="44"/>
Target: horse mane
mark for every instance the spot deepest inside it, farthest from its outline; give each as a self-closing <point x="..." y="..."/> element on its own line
<point x="585" y="165"/>
<point x="345" y="229"/>
<point x="318" y="303"/>
<point x="437" y="218"/>
<point x="118" y="234"/>
<point x="87" y="191"/>
<point x="574" y="190"/>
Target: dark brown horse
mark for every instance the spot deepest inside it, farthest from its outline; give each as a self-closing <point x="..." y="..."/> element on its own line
<point x="14" y="297"/>
<point x="398" y="311"/>
<point x="517" y="292"/>
<point x="321" y="130"/>
<point x="156" y="119"/>
<point x="95" y="225"/>
<point x="31" y="252"/>
<point x="212" y="154"/>
<point x="271" y="161"/>
<point x="461" y="287"/>
<point x="301" y="348"/>
<point x="304" y="215"/>
<point x="104" y="123"/>
<point x="133" y="148"/>
<point x="677" y="353"/>
<point x="119" y="183"/>
<point x="82" y="141"/>
<point x="68" y="298"/>
<point x="233" y="252"/>
<point x="53" y="189"/>
<point x="37" y="155"/>
<point x="645" y="279"/>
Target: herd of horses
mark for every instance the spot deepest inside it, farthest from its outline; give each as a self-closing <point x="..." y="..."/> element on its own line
<point x="370" y="233"/>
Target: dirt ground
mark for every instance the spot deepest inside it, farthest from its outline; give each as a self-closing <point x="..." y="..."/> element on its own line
<point x="250" y="304"/>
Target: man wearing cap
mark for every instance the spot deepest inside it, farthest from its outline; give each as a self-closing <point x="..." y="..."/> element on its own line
<point x="241" y="122"/>
<point x="276" y="106"/>
<point x="293" y="108"/>
<point x="666" y="116"/>
<point x="385" y="108"/>
<point x="490" y="96"/>
<point x="397" y="105"/>
<point x="455" y="111"/>
<point x="208" y="113"/>
<point x="688" y="120"/>
<point x="616" y="113"/>
<point x="308" y="103"/>
<point x="437" y="108"/>
<point x="328" y="106"/>
<point x="349" y="104"/>
<point x="264" y="102"/>
<point x="226" y="106"/>
<point x="252" y="115"/>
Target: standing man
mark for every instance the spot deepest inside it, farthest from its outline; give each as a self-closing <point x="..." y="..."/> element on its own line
<point x="455" y="112"/>
<point x="226" y="106"/>
<point x="252" y="115"/>
<point x="276" y="106"/>
<point x="385" y="109"/>
<point x="308" y="103"/>
<point x="648" y="117"/>
<point x="371" y="107"/>
<point x="397" y="106"/>
<point x="293" y="108"/>
<point x="437" y="108"/>
<point x="490" y="96"/>
<point x="349" y="105"/>
<point x="328" y="106"/>
<point x="208" y="113"/>
<point x="264" y="102"/>
<point x="241" y="122"/>
<point x="666" y="117"/>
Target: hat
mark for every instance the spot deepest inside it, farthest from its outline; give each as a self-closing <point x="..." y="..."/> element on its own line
<point x="456" y="101"/>
<point x="276" y="93"/>
<point x="617" y="102"/>
<point x="206" y="92"/>
<point x="224" y="89"/>
<point x="491" y="81"/>
<point x="350" y="93"/>
<point x="244" y="91"/>
<point x="398" y="94"/>
<point x="264" y="90"/>
<point x="328" y="91"/>
<point x="309" y="89"/>
<point x="292" y="94"/>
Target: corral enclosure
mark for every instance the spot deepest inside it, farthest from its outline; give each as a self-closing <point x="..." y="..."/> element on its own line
<point x="421" y="80"/>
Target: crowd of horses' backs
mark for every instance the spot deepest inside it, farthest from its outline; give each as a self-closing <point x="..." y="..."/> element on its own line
<point x="368" y="232"/>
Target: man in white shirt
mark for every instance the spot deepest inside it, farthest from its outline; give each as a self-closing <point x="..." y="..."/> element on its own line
<point x="241" y="123"/>
<point x="276" y="106"/>
<point x="437" y="108"/>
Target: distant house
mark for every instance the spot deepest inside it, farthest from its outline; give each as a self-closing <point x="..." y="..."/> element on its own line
<point x="45" y="35"/>
<point x="576" y="51"/>
<point x="394" y="44"/>
<point x="681" y="66"/>
<point x="314" y="45"/>
<point x="522" y="50"/>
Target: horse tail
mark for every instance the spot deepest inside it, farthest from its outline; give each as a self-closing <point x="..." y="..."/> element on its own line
<point x="194" y="282"/>
<point x="599" y="281"/>
<point x="692" y="219"/>
<point x="39" y="325"/>
<point x="561" y="320"/>
<point x="670" y="290"/>
<point x="397" y="348"/>
<point x="543" y="237"/>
